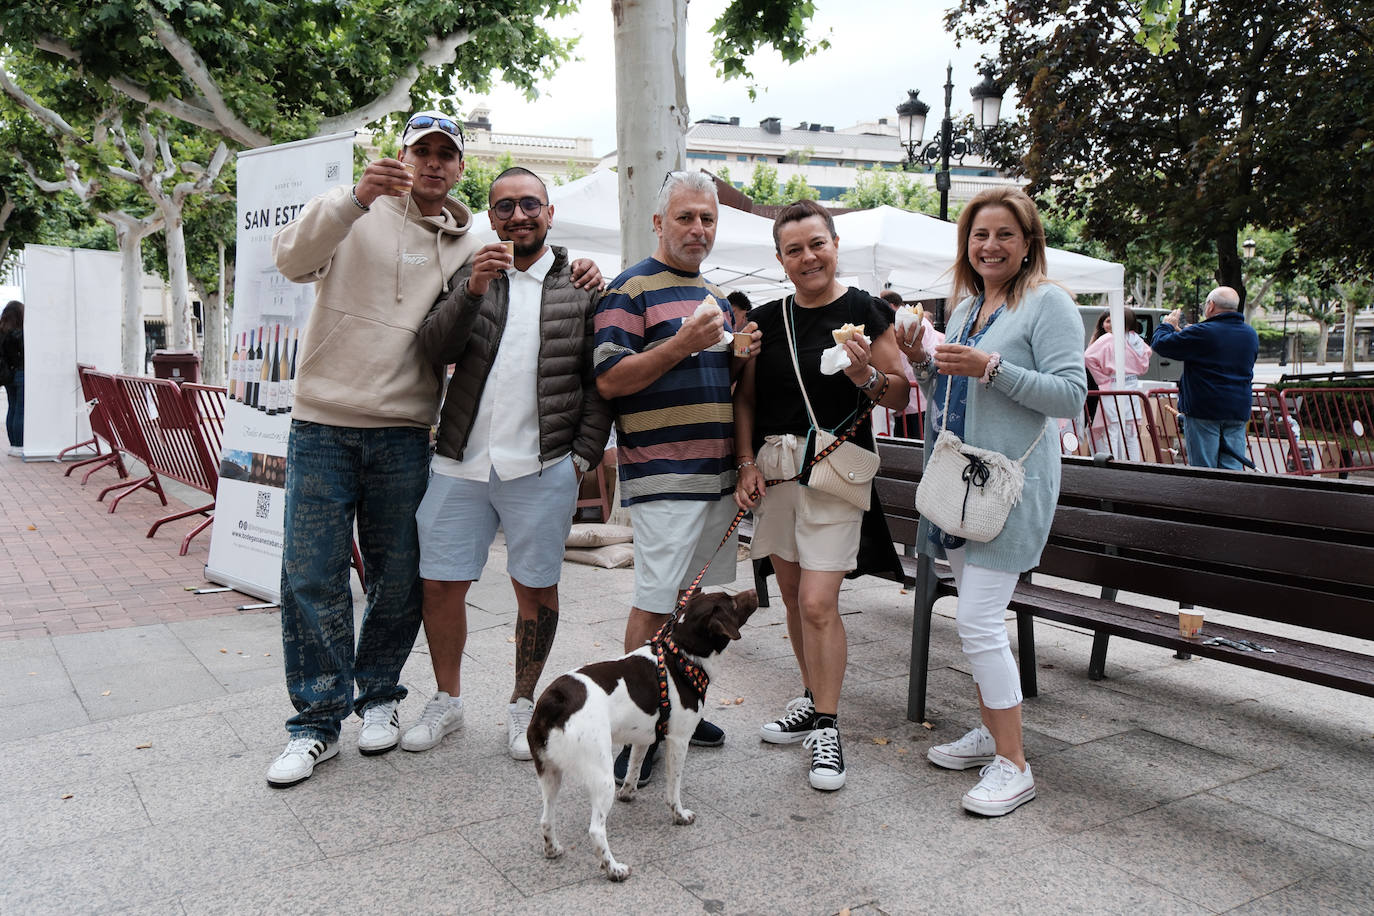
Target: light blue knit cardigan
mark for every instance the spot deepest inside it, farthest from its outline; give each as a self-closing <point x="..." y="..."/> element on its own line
<point x="1042" y="377"/>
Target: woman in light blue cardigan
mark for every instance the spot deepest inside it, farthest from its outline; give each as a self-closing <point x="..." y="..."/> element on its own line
<point x="1012" y="361"/>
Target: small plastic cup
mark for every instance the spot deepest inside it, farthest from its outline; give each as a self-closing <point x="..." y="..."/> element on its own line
<point x="405" y="188"/>
<point x="741" y="342"/>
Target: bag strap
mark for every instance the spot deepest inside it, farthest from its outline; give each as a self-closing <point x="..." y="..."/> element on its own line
<point x="859" y="415"/>
<point x="820" y="456"/>
<point x="949" y="386"/>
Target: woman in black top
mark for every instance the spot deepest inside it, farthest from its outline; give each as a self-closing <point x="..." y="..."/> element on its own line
<point x="812" y="538"/>
<point x="12" y="370"/>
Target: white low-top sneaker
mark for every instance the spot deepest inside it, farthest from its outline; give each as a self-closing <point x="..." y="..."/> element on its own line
<point x="1002" y="789"/>
<point x="381" y="730"/>
<point x="297" y="762"/>
<point x="440" y="716"/>
<point x="517" y="723"/>
<point x="975" y="749"/>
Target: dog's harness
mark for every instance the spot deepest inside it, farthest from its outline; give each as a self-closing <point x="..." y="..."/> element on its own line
<point x="665" y="649"/>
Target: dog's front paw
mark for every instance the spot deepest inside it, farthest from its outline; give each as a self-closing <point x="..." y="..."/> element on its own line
<point x="627" y="791"/>
<point x="682" y="816"/>
<point x="616" y="871"/>
<point x="552" y="849"/>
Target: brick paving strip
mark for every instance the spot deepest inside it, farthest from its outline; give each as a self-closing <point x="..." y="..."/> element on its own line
<point x="72" y="567"/>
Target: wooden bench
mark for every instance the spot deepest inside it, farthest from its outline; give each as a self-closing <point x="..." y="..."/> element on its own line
<point x="1289" y="550"/>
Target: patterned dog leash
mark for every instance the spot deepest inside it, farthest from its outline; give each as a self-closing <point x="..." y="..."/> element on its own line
<point x="662" y="643"/>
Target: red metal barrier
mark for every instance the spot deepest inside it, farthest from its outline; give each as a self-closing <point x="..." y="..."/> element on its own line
<point x="172" y="431"/>
<point x="209" y="402"/>
<point x="100" y="429"/>
<point x="1335" y="429"/>
<point x="128" y="438"/>
<point x="1121" y="424"/>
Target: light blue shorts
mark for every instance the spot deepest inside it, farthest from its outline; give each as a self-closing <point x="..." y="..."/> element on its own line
<point x="458" y="521"/>
<point x="673" y="540"/>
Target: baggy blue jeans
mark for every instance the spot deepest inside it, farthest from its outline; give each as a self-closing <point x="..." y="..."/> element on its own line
<point x="1203" y="439"/>
<point x="334" y="474"/>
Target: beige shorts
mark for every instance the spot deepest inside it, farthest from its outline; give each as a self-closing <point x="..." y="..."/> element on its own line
<point x="815" y="530"/>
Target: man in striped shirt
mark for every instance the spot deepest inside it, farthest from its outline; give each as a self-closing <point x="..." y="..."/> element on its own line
<point x="666" y="371"/>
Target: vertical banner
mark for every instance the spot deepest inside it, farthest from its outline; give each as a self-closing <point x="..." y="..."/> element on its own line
<point x="274" y="184"/>
<point x="71" y="315"/>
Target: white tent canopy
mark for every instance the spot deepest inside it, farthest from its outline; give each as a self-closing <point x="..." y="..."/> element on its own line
<point x="883" y="246"/>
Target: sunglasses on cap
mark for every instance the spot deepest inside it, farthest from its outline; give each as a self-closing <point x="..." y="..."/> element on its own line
<point x="420" y="122"/>
<point x="505" y="207"/>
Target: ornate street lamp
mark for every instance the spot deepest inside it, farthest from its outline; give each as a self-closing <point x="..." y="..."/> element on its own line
<point x="1248" y="247"/>
<point x="911" y="126"/>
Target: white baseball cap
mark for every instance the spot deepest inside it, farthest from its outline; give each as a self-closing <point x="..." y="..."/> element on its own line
<point x="424" y="123"/>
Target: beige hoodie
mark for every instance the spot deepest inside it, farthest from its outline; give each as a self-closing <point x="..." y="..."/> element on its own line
<point x="376" y="274"/>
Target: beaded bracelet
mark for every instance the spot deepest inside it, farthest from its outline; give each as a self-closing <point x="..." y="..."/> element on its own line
<point x="746" y="463"/>
<point x="353" y="193"/>
<point x="925" y="368"/>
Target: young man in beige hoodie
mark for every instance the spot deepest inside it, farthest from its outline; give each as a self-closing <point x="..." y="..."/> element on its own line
<point x="380" y="254"/>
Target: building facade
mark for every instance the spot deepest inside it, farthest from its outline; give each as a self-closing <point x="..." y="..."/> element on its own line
<point x="828" y="159"/>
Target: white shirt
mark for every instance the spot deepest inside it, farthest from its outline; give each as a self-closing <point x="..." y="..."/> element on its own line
<point x="505" y="434"/>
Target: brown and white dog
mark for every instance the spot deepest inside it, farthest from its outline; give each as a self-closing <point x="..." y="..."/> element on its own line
<point x="584" y="716"/>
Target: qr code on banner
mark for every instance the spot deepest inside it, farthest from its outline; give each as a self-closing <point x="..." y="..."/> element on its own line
<point x="331" y="171"/>
<point x="264" y="503"/>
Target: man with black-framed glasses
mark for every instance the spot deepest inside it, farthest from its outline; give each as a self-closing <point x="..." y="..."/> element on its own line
<point x="521" y="422"/>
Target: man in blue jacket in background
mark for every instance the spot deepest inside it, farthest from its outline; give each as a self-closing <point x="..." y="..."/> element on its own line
<point x="1214" y="396"/>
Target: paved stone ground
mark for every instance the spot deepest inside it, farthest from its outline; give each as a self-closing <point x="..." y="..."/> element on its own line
<point x="135" y="755"/>
<point x="75" y="568"/>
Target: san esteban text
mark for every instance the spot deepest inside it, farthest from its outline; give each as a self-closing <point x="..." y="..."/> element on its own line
<point x="271" y="216"/>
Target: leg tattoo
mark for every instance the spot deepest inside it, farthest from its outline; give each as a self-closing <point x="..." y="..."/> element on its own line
<point x="533" y="640"/>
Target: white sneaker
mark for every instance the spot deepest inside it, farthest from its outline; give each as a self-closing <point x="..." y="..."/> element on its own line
<point x="440" y="716"/>
<point x="381" y="728"/>
<point x="297" y="762"/>
<point x="793" y="725"/>
<point x="827" y="759"/>
<point x="517" y="722"/>
<point x="973" y="750"/>
<point x="1002" y="789"/>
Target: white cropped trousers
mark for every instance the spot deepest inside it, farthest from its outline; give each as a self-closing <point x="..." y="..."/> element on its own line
<point x="981" y="621"/>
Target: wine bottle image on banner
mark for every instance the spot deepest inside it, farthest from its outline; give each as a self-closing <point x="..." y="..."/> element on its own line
<point x="283" y="368"/>
<point x="234" y="360"/>
<point x="291" y="376"/>
<point x="239" y="367"/>
<point x="250" y="384"/>
<point x="264" y="373"/>
<point x="254" y="371"/>
<point x="274" y="381"/>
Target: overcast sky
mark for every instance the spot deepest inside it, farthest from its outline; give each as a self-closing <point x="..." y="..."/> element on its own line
<point x="879" y="49"/>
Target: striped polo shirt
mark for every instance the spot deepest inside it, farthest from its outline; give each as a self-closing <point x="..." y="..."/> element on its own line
<point x="674" y="439"/>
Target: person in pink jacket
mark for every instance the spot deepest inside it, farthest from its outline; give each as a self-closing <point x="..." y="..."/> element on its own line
<point x="1116" y="418"/>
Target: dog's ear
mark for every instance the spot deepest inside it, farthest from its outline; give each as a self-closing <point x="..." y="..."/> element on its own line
<point x="722" y="622"/>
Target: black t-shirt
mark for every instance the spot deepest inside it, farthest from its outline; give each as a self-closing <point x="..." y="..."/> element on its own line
<point x="778" y="406"/>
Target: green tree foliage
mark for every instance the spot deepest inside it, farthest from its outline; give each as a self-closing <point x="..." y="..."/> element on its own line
<point x="745" y="25"/>
<point x="1262" y="115"/>
<point x="796" y="188"/>
<point x="763" y="187"/>
<point x="877" y="187"/>
<point x="474" y="188"/>
<point x="259" y="72"/>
